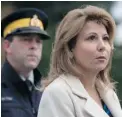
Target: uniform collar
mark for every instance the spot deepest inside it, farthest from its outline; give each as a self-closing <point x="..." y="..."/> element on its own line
<point x="30" y="77"/>
<point x="9" y="74"/>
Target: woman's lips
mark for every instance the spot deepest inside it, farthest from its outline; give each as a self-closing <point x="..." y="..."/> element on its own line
<point x="101" y="58"/>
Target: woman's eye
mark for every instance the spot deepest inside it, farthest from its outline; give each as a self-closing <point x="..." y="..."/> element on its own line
<point x="106" y="38"/>
<point x="92" y="37"/>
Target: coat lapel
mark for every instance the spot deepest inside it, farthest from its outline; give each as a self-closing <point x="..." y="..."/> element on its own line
<point x="75" y="85"/>
<point x="111" y="100"/>
<point x="91" y="107"/>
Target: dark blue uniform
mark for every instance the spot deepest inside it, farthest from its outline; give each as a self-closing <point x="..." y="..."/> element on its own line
<point x="17" y="100"/>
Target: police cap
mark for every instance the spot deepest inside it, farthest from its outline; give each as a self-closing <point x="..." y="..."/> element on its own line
<point x="25" y="21"/>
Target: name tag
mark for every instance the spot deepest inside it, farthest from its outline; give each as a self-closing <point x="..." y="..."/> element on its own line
<point x="7" y="98"/>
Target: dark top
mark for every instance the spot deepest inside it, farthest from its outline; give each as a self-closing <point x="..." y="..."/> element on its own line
<point x="106" y="109"/>
<point x="16" y="99"/>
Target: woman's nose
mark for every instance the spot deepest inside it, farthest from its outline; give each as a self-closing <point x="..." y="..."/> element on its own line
<point x="101" y="45"/>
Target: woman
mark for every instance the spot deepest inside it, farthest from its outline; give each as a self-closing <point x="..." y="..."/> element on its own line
<point x="80" y="67"/>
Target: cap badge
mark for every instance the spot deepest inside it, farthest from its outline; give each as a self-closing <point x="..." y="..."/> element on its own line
<point x="35" y="21"/>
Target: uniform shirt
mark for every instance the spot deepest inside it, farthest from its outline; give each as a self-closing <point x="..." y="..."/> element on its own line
<point x="29" y="81"/>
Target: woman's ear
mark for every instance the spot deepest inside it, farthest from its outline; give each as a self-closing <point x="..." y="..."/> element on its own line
<point x="112" y="47"/>
<point x="6" y="46"/>
<point x="71" y="54"/>
<point x="72" y="50"/>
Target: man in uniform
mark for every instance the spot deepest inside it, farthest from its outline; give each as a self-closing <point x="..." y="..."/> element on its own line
<point x="23" y="32"/>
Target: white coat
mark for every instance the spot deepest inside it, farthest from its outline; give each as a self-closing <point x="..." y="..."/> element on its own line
<point x="67" y="97"/>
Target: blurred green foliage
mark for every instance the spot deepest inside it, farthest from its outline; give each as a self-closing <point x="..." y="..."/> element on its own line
<point x="116" y="70"/>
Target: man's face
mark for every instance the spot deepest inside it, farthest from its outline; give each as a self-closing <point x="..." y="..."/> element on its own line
<point x="25" y="51"/>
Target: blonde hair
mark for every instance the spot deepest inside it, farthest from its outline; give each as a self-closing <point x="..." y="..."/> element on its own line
<point x="62" y="61"/>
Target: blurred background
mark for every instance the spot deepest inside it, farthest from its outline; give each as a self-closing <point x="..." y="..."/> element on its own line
<point x="56" y="10"/>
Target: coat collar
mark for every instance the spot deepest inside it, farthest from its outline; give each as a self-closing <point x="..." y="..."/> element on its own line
<point x="111" y="100"/>
<point x="75" y="85"/>
<point x="91" y="107"/>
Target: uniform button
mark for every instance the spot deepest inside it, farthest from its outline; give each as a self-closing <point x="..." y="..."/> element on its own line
<point x="33" y="110"/>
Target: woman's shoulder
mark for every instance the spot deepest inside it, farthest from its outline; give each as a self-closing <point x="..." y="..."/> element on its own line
<point x="56" y="95"/>
<point x="57" y="90"/>
<point x="57" y="84"/>
<point x="66" y="84"/>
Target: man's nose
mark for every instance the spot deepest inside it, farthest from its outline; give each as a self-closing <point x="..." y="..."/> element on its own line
<point x="33" y="44"/>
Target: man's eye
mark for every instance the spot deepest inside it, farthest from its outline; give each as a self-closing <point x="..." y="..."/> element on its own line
<point x="38" y="40"/>
<point x="26" y="38"/>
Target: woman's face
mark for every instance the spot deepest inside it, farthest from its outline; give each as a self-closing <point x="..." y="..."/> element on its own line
<point x="92" y="49"/>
